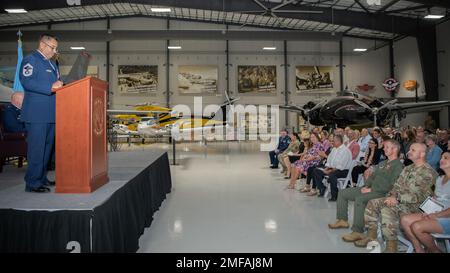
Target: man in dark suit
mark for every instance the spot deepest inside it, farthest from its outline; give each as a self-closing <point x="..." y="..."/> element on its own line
<point x="11" y="114"/>
<point x="39" y="75"/>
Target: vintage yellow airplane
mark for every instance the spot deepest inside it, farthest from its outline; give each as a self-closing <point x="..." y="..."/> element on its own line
<point x="153" y="120"/>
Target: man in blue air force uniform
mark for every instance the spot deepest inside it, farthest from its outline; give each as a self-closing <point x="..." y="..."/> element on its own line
<point x="283" y="143"/>
<point x="39" y="75"/>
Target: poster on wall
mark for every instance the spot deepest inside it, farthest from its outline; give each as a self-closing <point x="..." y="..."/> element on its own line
<point x="314" y="78"/>
<point x="137" y="79"/>
<point x="257" y="79"/>
<point x="197" y="79"/>
<point x="92" y="70"/>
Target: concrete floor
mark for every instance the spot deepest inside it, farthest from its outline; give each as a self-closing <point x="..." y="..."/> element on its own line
<point x="225" y="198"/>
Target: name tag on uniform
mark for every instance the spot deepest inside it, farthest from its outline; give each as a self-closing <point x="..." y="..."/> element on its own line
<point x="48" y="70"/>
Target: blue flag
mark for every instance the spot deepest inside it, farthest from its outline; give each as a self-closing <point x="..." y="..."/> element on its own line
<point x="17" y="85"/>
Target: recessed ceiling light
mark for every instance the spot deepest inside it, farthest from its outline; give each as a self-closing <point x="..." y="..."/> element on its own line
<point x="16" y="11"/>
<point x="269" y="48"/>
<point x="360" y="49"/>
<point x="161" y="9"/>
<point x="174" y="47"/>
<point x="77" y="47"/>
<point x="434" y="16"/>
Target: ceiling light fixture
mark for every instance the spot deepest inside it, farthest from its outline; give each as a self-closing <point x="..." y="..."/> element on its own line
<point x="360" y="49"/>
<point x="434" y="16"/>
<point x="16" y="11"/>
<point x="174" y="47"/>
<point x="269" y="48"/>
<point x="161" y="9"/>
<point x="77" y="48"/>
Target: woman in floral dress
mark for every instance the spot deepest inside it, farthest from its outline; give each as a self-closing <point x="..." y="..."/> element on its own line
<point x="311" y="158"/>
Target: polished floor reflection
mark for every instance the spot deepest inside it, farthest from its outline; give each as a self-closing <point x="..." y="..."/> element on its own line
<point x="225" y="198"/>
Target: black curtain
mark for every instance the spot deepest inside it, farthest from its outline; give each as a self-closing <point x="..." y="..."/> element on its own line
<point x="119" y="222"/>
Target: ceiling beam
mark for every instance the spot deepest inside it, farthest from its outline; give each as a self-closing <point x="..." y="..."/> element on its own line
<point x="239" y="35"/>
<point x="435" y="3"/>
<point x="378" y="22"/>
<point x="408" y="9"/>
<point x="388" y="5"/>
<point x="362" y="6"/>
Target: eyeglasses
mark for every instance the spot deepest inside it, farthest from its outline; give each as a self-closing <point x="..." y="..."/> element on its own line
<point x="54" y="48"/>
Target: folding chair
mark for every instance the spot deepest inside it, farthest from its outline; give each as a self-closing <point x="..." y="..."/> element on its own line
<point x="343" y="182"/>
<point x="409" y="246"/>
<point x="445" y="237"/>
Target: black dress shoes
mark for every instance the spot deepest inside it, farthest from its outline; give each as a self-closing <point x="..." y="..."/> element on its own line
<point x="40" y="189"/>
<point x="332" y="199"/>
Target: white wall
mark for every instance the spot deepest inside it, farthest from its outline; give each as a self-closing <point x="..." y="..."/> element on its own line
<point x="371" y="67"/>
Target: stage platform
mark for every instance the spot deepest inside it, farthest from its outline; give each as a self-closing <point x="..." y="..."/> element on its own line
<point x="111" y="219"/>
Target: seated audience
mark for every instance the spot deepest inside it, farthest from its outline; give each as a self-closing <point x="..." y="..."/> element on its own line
<point x="409" y="191"/>
<point x="408" y="138"/>
<point x="443" y="139"/>
<point x="293" y="148"/>
<point x="283" y="143"/>
<point x="311" y="158"/>
<point x="434" y="152"/>
<point x="419" y="226"/>
<point x="326" y="142"/>
<point x="380" y="182"/>
<point x="353" y="145"/>
<point x="363" y="141"/>
<point x="337" y="166"/>
<point x="420" y="135"/>
<point x="376" y="133"/>
<point x="372" y="157"/>
<point x="323" y="156"/>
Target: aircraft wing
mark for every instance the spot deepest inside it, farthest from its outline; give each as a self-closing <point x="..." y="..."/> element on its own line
<point x="132" y="112"/>
<point x="419" y="107"/>
<point x="292" y="108"/>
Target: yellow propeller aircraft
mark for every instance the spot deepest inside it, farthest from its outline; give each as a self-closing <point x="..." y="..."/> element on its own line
<point x="149" y="120"/>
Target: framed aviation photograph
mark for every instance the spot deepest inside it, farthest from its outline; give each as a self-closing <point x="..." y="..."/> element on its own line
<point x="257" y="79"/>
<point x="314" y="78"/>
<point x="137" y="79"/>
<point x="197" y="79"/>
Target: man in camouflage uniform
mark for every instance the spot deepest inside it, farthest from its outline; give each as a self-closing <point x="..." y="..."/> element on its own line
<point x="379" y="183"/>
<point x="411" y="189"/>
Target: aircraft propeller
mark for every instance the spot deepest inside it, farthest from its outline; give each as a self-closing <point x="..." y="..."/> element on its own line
<point x="376" y="110"/>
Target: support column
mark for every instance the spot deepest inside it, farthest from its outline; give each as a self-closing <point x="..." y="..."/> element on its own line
<point x="286" y="85"/>
<point x="168" y="69"/>
<point x="427" y="45"/>
<point x="341" y="66"/>
<point x="108" y="63"/>
<point x="227" y="54"/>
<point x="391" y="63"/>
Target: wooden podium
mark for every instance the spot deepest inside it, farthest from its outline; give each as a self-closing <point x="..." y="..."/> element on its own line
<point x="81" y="147"/>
